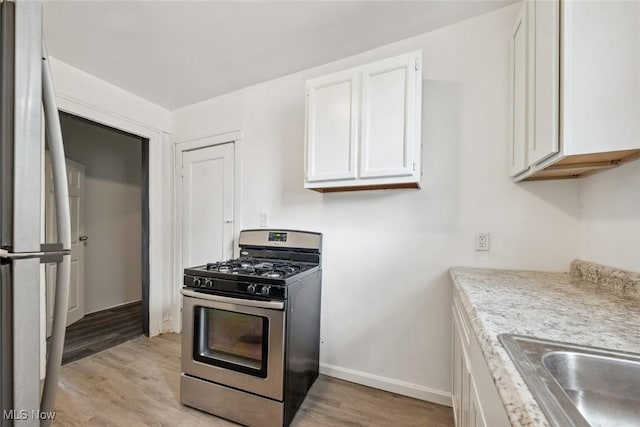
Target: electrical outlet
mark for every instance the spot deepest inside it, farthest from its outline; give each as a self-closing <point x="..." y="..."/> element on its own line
<point x="264" y="219"/>
<point x="482" y="241"/>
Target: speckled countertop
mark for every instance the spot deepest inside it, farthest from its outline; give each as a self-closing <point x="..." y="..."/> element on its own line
<point x="603" y="311"/>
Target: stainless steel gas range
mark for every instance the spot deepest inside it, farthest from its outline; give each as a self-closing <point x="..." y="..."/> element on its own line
<point x="251" y="329"/>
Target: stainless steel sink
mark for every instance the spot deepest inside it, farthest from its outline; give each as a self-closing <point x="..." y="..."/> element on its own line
<point x="578" y="385"/>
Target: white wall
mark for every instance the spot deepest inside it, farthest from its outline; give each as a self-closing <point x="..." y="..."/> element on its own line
<point x="386" y="289"/>
<point x="609" y="227"/>
<point x="84" y="95"/>
<point x="74" y="84"/>
<point x="112" y="211"/>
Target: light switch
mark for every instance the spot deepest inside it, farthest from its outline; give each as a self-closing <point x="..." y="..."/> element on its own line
<point x="264" y="219"/>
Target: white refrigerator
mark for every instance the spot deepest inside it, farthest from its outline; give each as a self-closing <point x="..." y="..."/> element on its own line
<point x="27" y="106"/>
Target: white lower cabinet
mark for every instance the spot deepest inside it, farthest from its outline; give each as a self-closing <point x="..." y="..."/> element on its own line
<point x="476" y="402"/>
<point x="458" y="368"/>
<point x="475" y="415"/>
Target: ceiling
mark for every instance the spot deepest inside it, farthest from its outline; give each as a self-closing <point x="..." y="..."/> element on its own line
<point x="176" y="53"/>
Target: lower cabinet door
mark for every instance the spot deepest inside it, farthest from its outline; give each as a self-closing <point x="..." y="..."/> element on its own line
<point x="476" y="418"/>
<point x="462" y="381"/>
<point x="476" y="400"/>
<point x="466" y="404"/>
<point x="465" y="419"/>
<point x="457" y="363"/>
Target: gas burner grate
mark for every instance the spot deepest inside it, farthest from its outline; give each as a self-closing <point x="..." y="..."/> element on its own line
<point x="256" y="267"/>
<point x="287" y="268"/>
<point x="273" y="274"/>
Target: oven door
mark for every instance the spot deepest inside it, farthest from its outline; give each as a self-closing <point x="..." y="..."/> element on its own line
<point x="234" y="342"/>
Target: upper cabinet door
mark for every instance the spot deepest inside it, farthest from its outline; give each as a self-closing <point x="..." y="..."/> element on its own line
<point x="544" y="79"/>
<point x="332" y="127"/>
<point x="601" y="76"/>
<point x="518" y="91"/>
<point x="389" y="117"/>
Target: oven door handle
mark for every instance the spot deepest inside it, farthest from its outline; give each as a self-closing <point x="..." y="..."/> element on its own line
<point x="275" y="305"/>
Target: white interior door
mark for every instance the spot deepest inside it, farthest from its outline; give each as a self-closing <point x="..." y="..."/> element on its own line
<point x="207" y="204"/>
<point x="75" y="177"/>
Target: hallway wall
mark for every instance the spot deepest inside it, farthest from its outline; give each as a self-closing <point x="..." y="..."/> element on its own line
<point x="113" y="211"/>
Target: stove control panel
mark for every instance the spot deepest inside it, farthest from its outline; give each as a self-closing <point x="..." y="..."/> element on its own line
<point x="234" y="287"/>
<point x="253" y="288"/>
<point x="277" y="236"/>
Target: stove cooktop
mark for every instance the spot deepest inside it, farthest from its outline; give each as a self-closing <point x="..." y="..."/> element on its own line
<point x="272" y="269"/>
<point x="267" y="278"/>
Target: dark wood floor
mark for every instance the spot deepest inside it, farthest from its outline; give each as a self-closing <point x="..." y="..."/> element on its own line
<point x="102" y="330"/>
<point x="138" y="384"/>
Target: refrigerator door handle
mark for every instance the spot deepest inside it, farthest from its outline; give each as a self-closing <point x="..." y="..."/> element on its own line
<point x="54" y="138"/>
<point x="56" y="147"/>
<point x="11" y="255"/>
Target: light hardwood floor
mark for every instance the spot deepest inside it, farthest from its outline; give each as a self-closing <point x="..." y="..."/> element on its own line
<point x="137" y="384"/>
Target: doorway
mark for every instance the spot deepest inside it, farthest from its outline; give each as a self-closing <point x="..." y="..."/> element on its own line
<point x="109" y="299"/>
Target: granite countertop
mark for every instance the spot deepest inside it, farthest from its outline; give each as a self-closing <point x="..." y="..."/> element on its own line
<point x="592" y="305"/>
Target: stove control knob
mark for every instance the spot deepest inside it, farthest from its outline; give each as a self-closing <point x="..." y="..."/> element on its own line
<point x="196" y="282"/>
<point x="251" y="288"/>
<point x="265" y="290"/>
<point x="208" y="283"/>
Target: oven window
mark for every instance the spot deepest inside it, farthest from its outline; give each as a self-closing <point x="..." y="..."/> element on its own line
<point x="231" y="340"/>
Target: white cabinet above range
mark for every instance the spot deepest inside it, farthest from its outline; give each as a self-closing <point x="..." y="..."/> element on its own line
<point x="363" y="127"/>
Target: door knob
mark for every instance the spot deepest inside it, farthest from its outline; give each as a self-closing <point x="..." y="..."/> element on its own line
<point x="83" y="238"/>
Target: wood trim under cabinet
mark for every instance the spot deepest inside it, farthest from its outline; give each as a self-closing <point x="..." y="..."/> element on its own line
<point x="582" y="165"/>
<point x="414" y="185"/>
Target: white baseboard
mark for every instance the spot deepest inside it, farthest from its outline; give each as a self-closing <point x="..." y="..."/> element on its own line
<point x="387" y="384"/>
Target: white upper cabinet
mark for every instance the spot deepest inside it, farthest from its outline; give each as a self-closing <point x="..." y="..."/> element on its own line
<point x="363" y="127"/>
<point x="582" y="100"/>
<point x="332" y="127"/>
<point x="518" y="91"/>
<point x="601" y="86"/>
<point x="388" y="94"/>
<point x="544" y="78"/>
